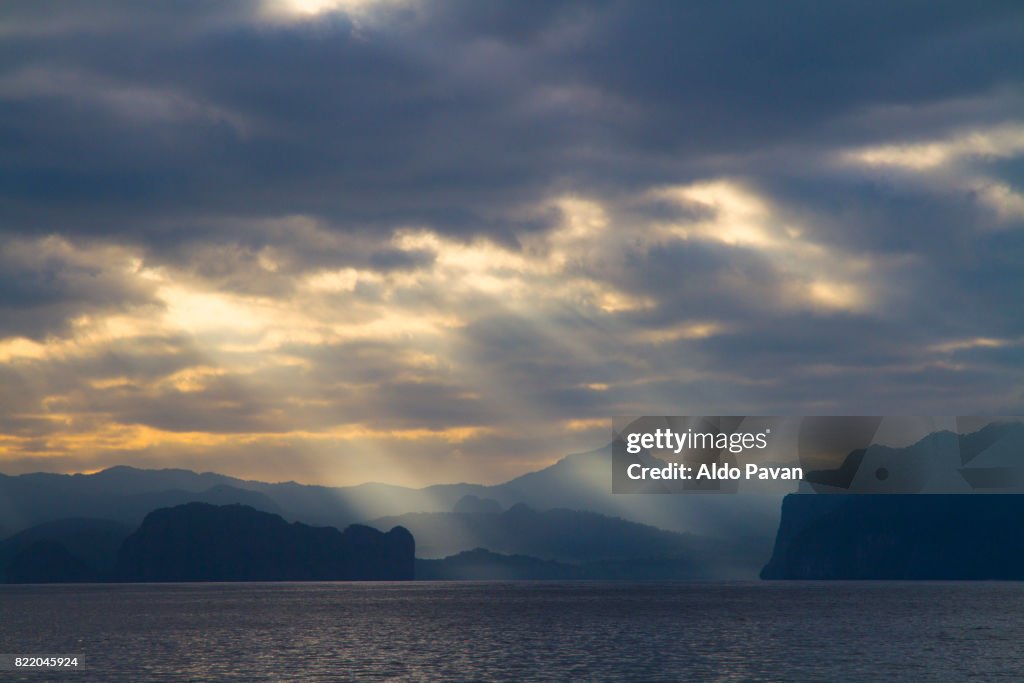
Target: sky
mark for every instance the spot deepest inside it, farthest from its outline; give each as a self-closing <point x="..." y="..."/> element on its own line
<point x="421" y="242"/>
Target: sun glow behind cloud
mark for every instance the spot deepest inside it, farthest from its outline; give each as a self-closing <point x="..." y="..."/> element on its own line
<point x="955" y="162"/>
<point x="815" y="276"/>
<point x="309" y="9"/>
<point x="999" y="142"/>
<point x="256" y="359"/>
<point x="365" y="373"/>
<point x="248" y="370"/>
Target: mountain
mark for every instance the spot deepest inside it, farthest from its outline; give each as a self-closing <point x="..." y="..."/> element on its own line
<point x="474" y="505"/>
<point x="48" y="562"/>
<point x="201" y="542"/>
<point x="990" y="459"/>
<point x="126" y="494"/>
<point x="565" y="535"/>
<point x="93" y="542"/>
<point x="121" y="494"/>
<point x="581" y="481"/>
<point x="730" y="533"/>
<point x="744" y="525"/>
<point x="894" y="536"/>
<point x="577" y="537"/>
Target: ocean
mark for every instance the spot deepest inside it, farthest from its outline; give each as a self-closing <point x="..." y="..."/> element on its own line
<point x="536" y="631"/>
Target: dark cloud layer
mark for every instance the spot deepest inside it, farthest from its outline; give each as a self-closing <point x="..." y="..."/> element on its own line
<point x="446" y="113"/>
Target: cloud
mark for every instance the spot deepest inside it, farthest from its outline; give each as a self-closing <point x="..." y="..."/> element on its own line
<point x="433" y="241"/>
<point x="48" y="285"/>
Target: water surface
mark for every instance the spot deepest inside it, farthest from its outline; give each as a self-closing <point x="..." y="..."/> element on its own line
<point x="523" y="631"/>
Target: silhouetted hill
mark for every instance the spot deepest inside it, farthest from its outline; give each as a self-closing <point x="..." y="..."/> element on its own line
<point x="893" y="536"/>
<point x="48" y="562"/>
<point x="201" y="542"/>
<point x="94" y="542"/>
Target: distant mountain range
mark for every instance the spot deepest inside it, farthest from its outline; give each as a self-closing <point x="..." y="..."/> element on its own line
<point x="561" y="521"/>
<point x="565" y="535"/>
<point x="578" y="482"/>
<point x="990" y="459"/>
<point x="564" y="512"/>
<point x="577" y="538"/>
<point x="122" y="494"/>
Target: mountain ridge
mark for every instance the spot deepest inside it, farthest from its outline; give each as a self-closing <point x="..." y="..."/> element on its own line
<point x="203" y="542"/>
<point x="578" y="481"/>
